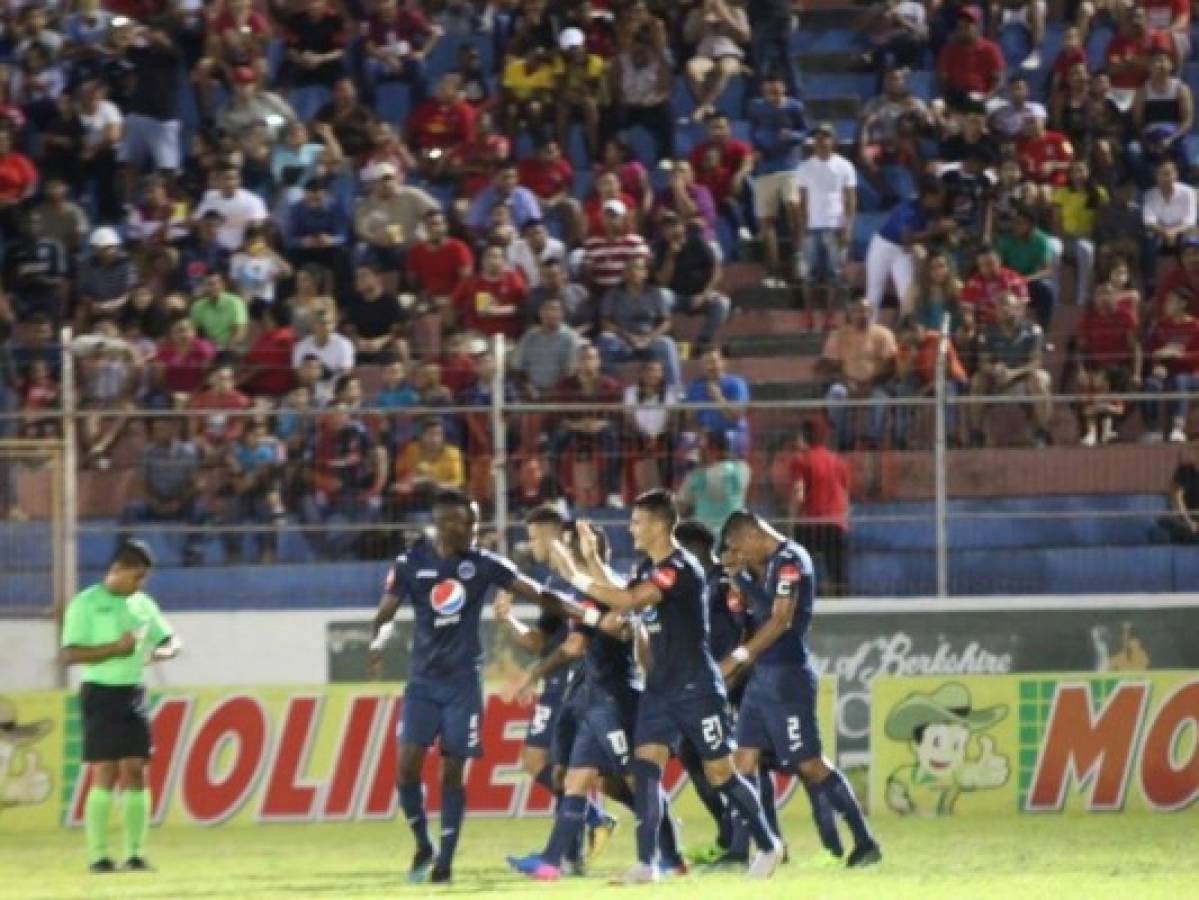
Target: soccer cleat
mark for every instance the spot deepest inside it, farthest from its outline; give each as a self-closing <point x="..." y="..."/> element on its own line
<point x="546" y="872"/>
<point x="674" y="868"/>
<point x="102" y="866"/>
<point x="765" y="862"/>
<point x="707" y="855"/>
<point x="422" y="863"/>
<point x="725" y="862"/>
<point x="137" y="864"/>
<point x="441" y="874"/>
<point x="865" y="855"/>
<point x="525" y="865"/>
<point x="600" y="835"/>
<point x="573" y="868"/>
<point x="641" y="873"/>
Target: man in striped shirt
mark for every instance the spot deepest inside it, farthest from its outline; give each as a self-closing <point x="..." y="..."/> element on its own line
<point x="606" y="255"/>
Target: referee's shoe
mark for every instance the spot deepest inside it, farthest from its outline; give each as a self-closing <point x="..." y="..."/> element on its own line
<point x="136" y="864"/>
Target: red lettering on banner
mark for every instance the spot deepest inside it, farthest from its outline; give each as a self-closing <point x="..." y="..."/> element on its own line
<point x="83" y="784"/>
<point x="381" y="797"/>
<point x="485" y="795"/>
<point x="286" y="799"/>
<point x="243" y="721"/>
<point x="168" y="727"/>
<point x="1095" y="750"/>
<point x="356" y="740"/>
<point x="1169" y="787"/>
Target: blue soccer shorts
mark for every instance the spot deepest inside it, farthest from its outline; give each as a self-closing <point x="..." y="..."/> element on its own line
<point x="449" y="710"/>
<point x="701" y="718"/>
<point x="778" y="714"/>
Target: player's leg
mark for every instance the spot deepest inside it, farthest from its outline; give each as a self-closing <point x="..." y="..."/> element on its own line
<point x="570" y="820"/>
<point x="649" y="759"/>
<point x="419" y="727"/>
<point x="135" y="811"/>
<point x="712" y="799"/>
<point x="96" y="813"/>
<point x="461" y="724"/>
<point x="453" y="811"/>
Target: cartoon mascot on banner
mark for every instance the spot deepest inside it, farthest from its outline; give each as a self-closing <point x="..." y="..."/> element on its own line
<point x="23" y="781"/>
<point x="938" y="727"/>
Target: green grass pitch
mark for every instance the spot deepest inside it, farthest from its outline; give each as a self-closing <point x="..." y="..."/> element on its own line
<point x="1130" y="857"/>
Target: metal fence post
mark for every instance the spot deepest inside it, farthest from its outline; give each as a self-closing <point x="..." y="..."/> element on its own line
<point x="69" y="511"/>
<point x="499" y="444"/>
<point x="942" y="503"/>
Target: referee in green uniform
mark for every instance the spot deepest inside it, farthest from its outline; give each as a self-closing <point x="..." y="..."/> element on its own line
<point x="113" y="629"/>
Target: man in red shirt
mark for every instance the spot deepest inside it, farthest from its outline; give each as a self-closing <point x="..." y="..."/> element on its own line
<point x="182" y="359"/>
<point x="1173" y="366"/>
<point x="1129" y="51"/>
<point x="397" y="43"/>
<point x="266" y="368"/>
<point x="440" y="124"/>
<point x="475" y="162"/>
<point x="820" y="504"/>
<point x="216" y="431"/>
<point x="438" y="265"/>
<point x="990" y="279"/>
<point x="490" y="302"/>
<point x="1109" y="359"/>
<point x="722" y="163"/>
<point x="1044" y="155"/>
<point x="607" y="188"/>
<point x="550" y="176"/>
<point x="970" y="67"/>
<point x="593" y="431"/>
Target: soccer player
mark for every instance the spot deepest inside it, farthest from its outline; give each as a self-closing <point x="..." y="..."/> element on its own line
<point x="778" y="711"/>
<point x="684" y="693"/>
<point x="446" y="580"/>
<point x="113" y="629"/>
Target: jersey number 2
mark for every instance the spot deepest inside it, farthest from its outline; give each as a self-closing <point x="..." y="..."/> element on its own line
<point x="794" y="735"/>
<point x="711" y="730"/>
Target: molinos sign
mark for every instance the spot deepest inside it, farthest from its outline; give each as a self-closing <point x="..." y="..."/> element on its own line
<point x="257" y="755"/>
<point x="1035" y="743"/>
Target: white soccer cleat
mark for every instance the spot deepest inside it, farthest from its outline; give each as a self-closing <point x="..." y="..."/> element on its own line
<point x="765" y="862"/>
<point x="638" y="874"/>
<point x="1091" y="438"/>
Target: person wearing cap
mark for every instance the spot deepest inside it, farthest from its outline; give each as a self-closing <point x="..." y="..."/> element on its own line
<point x="719" y="31"/>
<point x="238" y="207"/>
<point x="582" y="90"/>
<point x="1169" y="211"/>
<point x="778" y="128"/>
<point x="105" y="278"/>
<point x="113" y="630"/>
<point x="398" y="40"/>
<point x="606" y="255"/>
<point x="237" y="40"/>
<point x="969" y="67"/>
<point x="252" y="105"/>
<point x="827" y="186"/>
<point x="388" y="219"/>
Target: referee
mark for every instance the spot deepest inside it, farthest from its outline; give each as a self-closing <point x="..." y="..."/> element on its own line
<point x="113" y="629"/>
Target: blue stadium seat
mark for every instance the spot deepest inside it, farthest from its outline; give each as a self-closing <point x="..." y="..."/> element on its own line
<point x="307" y="101"/>
<point x="393" y="101"/>
<point x="923" y="84"/>
<point x="841" y="84"/>
<point x="1101" y="36"/>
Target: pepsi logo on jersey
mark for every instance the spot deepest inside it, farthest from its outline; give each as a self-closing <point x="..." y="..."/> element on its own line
<point x="447" y="597"/>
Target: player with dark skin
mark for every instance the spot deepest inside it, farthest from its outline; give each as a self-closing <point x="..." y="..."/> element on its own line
<point x="443" y="700"/>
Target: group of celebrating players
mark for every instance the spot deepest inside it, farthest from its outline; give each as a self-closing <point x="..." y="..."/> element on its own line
<point x="631" y="672"/>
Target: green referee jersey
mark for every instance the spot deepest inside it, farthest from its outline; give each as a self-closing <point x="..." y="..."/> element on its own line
<point x="98" y="616"/>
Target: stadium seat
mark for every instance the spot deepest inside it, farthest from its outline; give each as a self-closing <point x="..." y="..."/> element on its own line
<point x="307" y="101"/>
<point x="393" y="101"/>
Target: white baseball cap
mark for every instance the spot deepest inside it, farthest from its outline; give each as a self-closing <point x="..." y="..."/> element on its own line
<point x="105" y="237"/>
<point x="615" y="206"/>
<point x="379" y="170"/>
<point x="571" y="37"/>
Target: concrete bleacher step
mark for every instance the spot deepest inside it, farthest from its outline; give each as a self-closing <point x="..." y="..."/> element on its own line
<point x="823" y="108"/>
<point x="781" y="344"/>
<point x="836" y="62"/>
<point x="774" y="391"/>
<point x="760" y="297"/>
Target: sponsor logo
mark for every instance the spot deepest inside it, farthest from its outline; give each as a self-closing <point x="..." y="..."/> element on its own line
<point x="665" y="577"/>
<point x="466" y="570"/>
<point x="447" y="597"/>
<point x="426" y="573"/>
<point x="735" y="601"/>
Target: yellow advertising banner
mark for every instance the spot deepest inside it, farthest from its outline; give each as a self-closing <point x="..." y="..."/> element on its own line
<point x="244" y="756"/>
<point x="1034" y="743"/>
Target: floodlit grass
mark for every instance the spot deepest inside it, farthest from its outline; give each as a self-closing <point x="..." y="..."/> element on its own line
<point x="1129" y="857"/>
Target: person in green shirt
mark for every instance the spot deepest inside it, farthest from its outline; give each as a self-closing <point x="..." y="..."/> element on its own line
<point x="1030" y="252"/>
<point x="113" y="629"/>
<point x="712" y="493"/>
<point x="219" y="315"/>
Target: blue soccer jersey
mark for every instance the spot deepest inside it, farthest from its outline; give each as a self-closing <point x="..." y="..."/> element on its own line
<point x="725" y="620"/>
<point x="447" y="595"/>
<point x="680" y="658"/>
<point x="554" y="630"/>
<point x="788" y="573"/>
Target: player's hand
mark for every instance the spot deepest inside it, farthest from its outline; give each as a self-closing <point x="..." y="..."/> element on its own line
<point x="374" y="665"/>
<point x="503" y="604"/>
<point x="588" y="542"/>
<point x="125" y="644"/>
<point x="526" y="691"/>
<point x="729" y="668"/>
<point x="562" y="562"/>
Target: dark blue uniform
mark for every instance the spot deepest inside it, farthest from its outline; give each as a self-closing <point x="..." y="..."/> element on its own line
<point x="684" y="694"/>
<point x="554" y="630"/>
<point x="778" y="710"/>
<point x="595" y="726"/>
<point x="444" y="695"/>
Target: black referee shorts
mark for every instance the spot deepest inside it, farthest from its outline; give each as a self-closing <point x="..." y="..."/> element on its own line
<point x="116" y="722"/>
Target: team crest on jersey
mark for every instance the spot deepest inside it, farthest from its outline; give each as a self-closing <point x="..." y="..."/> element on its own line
<point x="466" y="570"/>
<point x="736" y="603"/>
<point x="789" y="575"/>
<point x="447" y="597"/>
<point x="665" y="577"/>
<point x="649" y="615"/>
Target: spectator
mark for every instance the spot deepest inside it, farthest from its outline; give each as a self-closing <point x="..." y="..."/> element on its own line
<point x="991" y="279"/>
<point x="36" y="270"/>
<point x="315" y="37"/>
<point x="219" y="314"/>
<point x="1170" y="210"/>
<point x="1028" y="252"/>
<point x="201" y="252"/>
<point x="1181" y="525"/>
<point x="639" y="85"/>
<point x="374" y="320"/>
<point x="547" y="352"/>
<point x="897" y="31"/>
<point x="916" y="376"/>
<point x="492" y="300"/>
<point x="1008" y="119"/>
<point x="935" y="293"/>
<point x="438" y="264"/>
<point x="1128" y="55"/>
<point x="686" y="264"/>
<point x="606" y="256"/>
<point x="473" y="164"/>
<point x="555" y="284"/>
<point x="973" y="136"/>
<point x="719" y="31"/>
<point x="182" y="359"/>
<point x="827" y="186"/>
<point x="550" y="176"/>
<point x="635" y="322"/>
<point x="969" y="200"/>
<point x="529" y="83"/>
<point x="1163" y="114"/>
<point x="772" y="23"/>
<point x="725" y="396"/>
<point x="1075" y="206"/>
<point x="151" y="128"/>
<point x="102" y="123"/>
<point x="859" y="360"/>
<point x="1109" y="358"/>
<point x="250" y="106"/>
<point x="652" y="419"/>
<point x="317" y="226"/>
<point x="582" y="90"/>
<point x="819" y="505"/>
<point x="388" y="219"/>
<point x="530" y="252"/>
<point x="109" y="377"/>
<point x="344" y="124"/>
<point x="589" y="431"/>
<point x="294" y="160"/>
<point x="237" y="206"/>
<point x="1169" y="23"/>
<point x="503" y="191"/>
<point x="890" y="256"/>
<point x="10" y="380"/>
<point x="60" y="218"/>
<point x="1173" y="347"/>
<point x="105" y="278"/>
<point x="426" y="466"/>
<point x="397" y="44"/>
<point x="440" y="124"/>
<point x="216" y="430"/>
<point x="718" y="487"/>
<point x="970" y="68"/>
<point x="686" y="199"/>
<point x="334" y="351"/>
<point x="266" y="368"/>
<point x="632" y="185"/>
<point x="255" y="495"/>
<point x="609" y="186"/>
<point x="723" y="164"/>
<point x="778" y="127"/>
<point x="1011" y="364"/>
<point x="170" y="487"/>
<point x="312" y="286"/>
<point x="256" y="270"/>
<point x="40" y="398"/>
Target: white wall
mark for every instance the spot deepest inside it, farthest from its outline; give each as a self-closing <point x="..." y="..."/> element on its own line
<point x="28" y="654"/>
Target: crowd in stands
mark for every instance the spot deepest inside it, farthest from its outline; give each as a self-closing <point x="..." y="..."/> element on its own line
<point x="283" y="206"/>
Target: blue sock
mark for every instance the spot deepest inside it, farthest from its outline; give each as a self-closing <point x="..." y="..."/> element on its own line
<point x="766" y="795"/>
<point x="595" y="815"/>
<point x="840" y="796"/>
<point x="739" y="835"/>
<point x="453" y="810"/>
<point x="741" y="794"/>
<point x="711" y="798"/>
<point x="825" y="819"/>
<point x="668" y="837"/>
<point x="567" y="830"/>
<point x="412" y="802"/>
<point x="647" y="780"/>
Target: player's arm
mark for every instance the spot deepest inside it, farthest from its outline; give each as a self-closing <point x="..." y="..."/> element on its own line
<point x="168" y="648"/>
<point x="782" y="613"/>
<point x="383" y="625"/>
<point x="563" y="655"/>
<point x="73" y="654"/>
<point x="552" y="602"/>
<point x="640" y="596"/>
<point x="531" y="639"/>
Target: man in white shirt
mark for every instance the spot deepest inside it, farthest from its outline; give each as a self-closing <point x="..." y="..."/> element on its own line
<point x="102" y="126"/>
<point x="238" y="206"/>
<point x="335" y="351"/>
<point x="537" y="246"/>
<point x="1169" y="210"/>
<point x="1008" y="117"/>
<point x="828" y="198"/>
